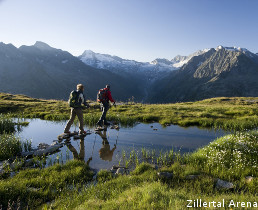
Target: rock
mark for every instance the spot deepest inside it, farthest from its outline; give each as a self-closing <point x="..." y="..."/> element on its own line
<point x="43" y="146"/>
<point x="55" y="142"/>
<point x="121" y="171"/>
<point x="26" y="154"/>
<point x="154" y="166"/>
<point x="248" y="179"/>
<point x="115" y="167"/>
<point x="50" y="149"/>
<point x="224" y="184"/>
<point x="155" y="129"/>
<point x="115" y="127"/>
<point x="166" y="175"/>
<point x="192" y="177"/>
<point x="29" y="163"/>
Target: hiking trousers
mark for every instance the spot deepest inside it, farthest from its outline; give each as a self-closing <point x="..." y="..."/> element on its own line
<point x="75" y="112"/>
<point x="104" y="109"/>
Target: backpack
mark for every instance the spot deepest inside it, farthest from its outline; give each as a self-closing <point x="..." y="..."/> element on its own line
<point x="73" y="100"/>
<point x="102" y="95"/>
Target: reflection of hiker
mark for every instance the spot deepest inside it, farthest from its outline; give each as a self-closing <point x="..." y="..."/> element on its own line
<point x="81" y="154"/>
<point x="105" y="153"/>
<point x="103" y="97"/>
<point x="75" y="101"/>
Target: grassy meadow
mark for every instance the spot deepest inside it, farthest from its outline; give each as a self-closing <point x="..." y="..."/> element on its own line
<point x="227" y="113"/>
<point x="73" y="185"/>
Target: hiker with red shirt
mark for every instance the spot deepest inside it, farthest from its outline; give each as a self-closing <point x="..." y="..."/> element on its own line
<point x="104" y="96"/>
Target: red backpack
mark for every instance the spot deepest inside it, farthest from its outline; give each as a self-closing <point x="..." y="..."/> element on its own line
<point x="102" y="95"/>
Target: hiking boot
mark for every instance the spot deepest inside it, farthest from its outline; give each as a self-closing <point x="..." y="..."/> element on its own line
<point x="82" y="132"/>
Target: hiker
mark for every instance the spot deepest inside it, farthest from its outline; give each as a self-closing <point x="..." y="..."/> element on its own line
<point x="75" y="101"/>
<point x="81" y="155"/>
<point x="103" y="97"/>
<point x="105" y="153"/>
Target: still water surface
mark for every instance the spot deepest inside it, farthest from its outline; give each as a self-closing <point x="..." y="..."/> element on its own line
<point x="106" y="147"/>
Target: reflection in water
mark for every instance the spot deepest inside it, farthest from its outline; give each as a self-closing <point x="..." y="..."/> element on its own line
<point x="81" y="155"/>
<point x="105" y="153"/>
<point x="135" y="138"/>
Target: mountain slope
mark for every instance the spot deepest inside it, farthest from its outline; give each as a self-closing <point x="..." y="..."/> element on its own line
<point x="218" y="72"/>
<point x="45" y="72"/>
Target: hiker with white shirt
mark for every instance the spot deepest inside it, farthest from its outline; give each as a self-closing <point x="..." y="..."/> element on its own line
<point x="76" y="100"/>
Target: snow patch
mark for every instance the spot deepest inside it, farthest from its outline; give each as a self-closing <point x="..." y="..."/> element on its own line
<point x="232" y="49"/>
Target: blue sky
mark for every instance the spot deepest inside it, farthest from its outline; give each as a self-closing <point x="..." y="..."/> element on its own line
<point x="142" y="30"/>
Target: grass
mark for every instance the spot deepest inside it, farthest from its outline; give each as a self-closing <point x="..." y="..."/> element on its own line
<point x="229" y="157"/>
<point x="235" y="113"/>
<point x="11" y="146"/>
<point x="6" y="124"/>
<point x="69" y="186"/>
<point x="33" y="187"/>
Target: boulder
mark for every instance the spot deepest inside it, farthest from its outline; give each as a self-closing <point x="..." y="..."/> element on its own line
<point x="248" y="179"/>
<point x="121" y="171"/>
<point x="50" y="149"/>
<point x="221" y="184"/>
<point x="43" y="146"/>
<point x="166" y="175"/>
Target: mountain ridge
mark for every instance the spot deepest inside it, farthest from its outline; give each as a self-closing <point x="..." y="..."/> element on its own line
<point x="46" y="72"/>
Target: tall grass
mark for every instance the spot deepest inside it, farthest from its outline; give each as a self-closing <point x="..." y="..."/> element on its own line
<point x="6" y="124"/>
<point x="229" y="157"/>
<point x="11" y="146"/>
<point x="33" y="187"/>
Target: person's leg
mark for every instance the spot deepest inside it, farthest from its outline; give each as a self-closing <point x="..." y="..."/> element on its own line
<point x="104" y="109"/>
<point x="79" y="114"/>
<point x="70" y="121"/>
<point x="82" y="150"/>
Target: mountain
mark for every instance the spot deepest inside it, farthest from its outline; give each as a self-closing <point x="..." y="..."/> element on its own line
<point x="119" y="65"/>
<point x="44" y="72"/>
<point x="224" y="71"/>
<point x="145" y="73"/>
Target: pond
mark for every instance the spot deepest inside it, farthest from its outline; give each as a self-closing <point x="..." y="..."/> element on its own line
<point x="106" y="148"/>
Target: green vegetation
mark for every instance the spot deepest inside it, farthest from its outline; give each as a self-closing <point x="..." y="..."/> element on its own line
<point x="237" y="113"/>
<point x="11" y="146"/>
<point x="6" y="124"/>
<point x="71" y="186"/>
<point x="231" y="158"/>
<point x="33" y="187"/>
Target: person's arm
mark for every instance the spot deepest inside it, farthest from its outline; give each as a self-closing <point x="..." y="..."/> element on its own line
<point x="82" y="97"/>
<point x="110" y="97"/>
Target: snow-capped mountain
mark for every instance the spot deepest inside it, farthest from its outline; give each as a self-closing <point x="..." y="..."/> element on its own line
<point x="220" y="72"/>
<point x="179" y="60"/>
<point x="155" y="69"/>
<point x="238" y="49"/>
<point x="150" y="71"/>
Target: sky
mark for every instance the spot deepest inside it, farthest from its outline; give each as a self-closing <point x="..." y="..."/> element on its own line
<point x="140" y="30"/>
